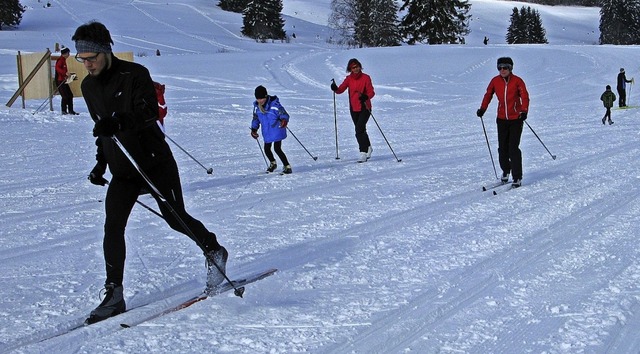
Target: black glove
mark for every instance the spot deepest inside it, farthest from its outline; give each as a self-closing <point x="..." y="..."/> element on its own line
<point x="106" y="126"/>
<point x="334" y="87"/>
<point x="95" y="176"/>
<point x="254" y="133"/>
<point x="363" y="98"/>
<point x="480" y="112"/>
<point x="523" y="116"/>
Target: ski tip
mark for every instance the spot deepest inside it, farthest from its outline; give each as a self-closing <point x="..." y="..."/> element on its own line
<point x="124" y="325"/>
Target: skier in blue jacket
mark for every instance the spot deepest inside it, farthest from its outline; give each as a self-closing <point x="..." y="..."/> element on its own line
<point x="269" y="114"/>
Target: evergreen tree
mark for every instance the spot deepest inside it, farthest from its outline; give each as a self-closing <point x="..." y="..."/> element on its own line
<point x="385" y="26"/>
<point x="525" y="27"/>
<point x="233" y="5"/>
<point x="513" y="32"/>
<point x="10" y="13"/>
<point x="537" y="33"/>
<point x="435" y="21"/>
<point x="619" y="22"/>
<point x="262" y="19"/>
<point x="364" y="22"/>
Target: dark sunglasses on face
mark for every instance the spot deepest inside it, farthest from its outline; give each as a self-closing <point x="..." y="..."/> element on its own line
<point x="91" y="59"/>
<point x="505" y="67"/>
<point x="354" y="67"/>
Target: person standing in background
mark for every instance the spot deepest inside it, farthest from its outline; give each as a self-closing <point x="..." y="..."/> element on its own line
<point x="62" y="78"/>
<point x="622" y="88"/>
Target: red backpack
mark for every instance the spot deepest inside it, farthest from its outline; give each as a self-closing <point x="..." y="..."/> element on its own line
<point x="162" y="105"/>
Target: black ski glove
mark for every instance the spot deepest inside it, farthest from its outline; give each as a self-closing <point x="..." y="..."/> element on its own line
<point x="523" y="116"/>
<point x="254" y="133"/>
<point x="363" y="98"/>
<point x="334" y="87"/>
<point x="480" y="112"/>
<point x="95" y="176"/>
<point x="106" y="126"/>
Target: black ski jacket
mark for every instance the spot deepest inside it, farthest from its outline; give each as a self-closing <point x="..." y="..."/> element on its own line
<point x="126" y="91"/>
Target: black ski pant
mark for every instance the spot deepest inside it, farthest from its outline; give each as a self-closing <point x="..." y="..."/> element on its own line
<point x="509" y="154"/>
<point x="121" y="197"/>
<point x="622" y="97"/>
<point x="67" y="98"/>
<point x="607" y="114"/>
<point x="360" y="120"/>
<point x="277" y="146"/>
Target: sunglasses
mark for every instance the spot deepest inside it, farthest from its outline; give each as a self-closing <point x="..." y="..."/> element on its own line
<point x="91" y="59"/>
<point x="353" y="67"/>
<point x="504" y="67"/>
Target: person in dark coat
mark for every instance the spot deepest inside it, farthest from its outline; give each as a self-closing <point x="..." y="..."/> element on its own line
<point x="622" y="88"/>
<point x="607" y="98"/>
<point x="513" y="107"/>
<point x="63" y="77"/>
<point x="122" y="102"/>
<point x="269" y="114"/>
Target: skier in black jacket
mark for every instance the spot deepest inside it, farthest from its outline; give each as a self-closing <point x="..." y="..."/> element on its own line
<point x="622" y="88"/>
<point x="122" y="102"/>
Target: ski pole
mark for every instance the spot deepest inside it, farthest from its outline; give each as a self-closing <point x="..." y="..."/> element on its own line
<point x="48" y="98"/>
<point x="237" y="291"/>
<point x="262" y="151"/>
<point x="385" y="138"/>
<point x="150" y="209"/>
<point x="489" y="147"/>
<point x="540" y="140"/>
<point x="335" y="120"/>
<point x="209" y="170"/>
<point x="305" y="149"/>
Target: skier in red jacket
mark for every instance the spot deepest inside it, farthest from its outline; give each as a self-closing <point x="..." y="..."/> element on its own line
<point x="513" y="105"/>
<point x="360" y="94"/>
<point x="62" y="77"/>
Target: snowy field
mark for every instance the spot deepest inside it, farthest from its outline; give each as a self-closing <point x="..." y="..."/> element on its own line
<point x="379" y="257"/>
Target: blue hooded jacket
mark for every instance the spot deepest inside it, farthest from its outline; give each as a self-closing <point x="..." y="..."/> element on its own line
<point x="270" y="119"/>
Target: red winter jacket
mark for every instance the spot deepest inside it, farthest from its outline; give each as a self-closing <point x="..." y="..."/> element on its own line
<point x="512" y="95"/>
<point x="61" y="70"/>
<point x="357" y="84"/>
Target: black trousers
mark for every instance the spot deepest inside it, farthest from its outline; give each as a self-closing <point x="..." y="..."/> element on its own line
<point x="121" y="197"/>
<point x="360" y="120"/>
<point x="607" y="114"/>
<point x="67" y="98"/>
<point x="509" y="154"/>
<point x="277" y="146"/>
<point x="622" y="97"/>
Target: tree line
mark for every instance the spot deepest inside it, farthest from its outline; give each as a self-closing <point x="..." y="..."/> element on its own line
<point x="375" y="23"/>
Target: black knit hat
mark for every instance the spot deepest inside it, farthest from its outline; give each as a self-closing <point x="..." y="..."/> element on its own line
<point x="505" y="60"/>
<point x="65" y="51"/>
<point x="261" y="92"/>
